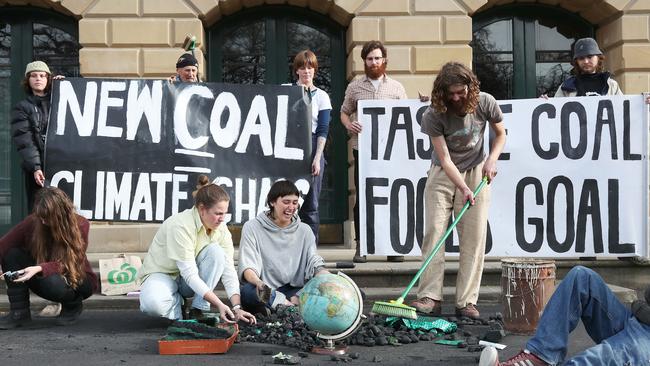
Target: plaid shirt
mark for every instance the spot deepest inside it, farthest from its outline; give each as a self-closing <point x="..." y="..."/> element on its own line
<point x="362" y="89"/>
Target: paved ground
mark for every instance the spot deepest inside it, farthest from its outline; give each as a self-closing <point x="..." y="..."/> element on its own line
<point x="126" y="337"/>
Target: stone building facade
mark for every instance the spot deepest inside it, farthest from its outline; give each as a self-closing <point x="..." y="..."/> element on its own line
<point x="142" y="38"/>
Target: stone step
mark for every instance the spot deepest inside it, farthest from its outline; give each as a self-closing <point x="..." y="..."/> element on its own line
<point x="488" y="295"/>
<point x="132" y="237"/>
<point x="379" y="273"/>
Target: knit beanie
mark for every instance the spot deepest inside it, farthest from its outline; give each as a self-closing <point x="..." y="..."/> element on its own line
<point x="186" y="59"/>
<point x="37" y="66"/>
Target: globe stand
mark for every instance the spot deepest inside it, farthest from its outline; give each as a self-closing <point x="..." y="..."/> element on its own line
<point x="330" y="348"/>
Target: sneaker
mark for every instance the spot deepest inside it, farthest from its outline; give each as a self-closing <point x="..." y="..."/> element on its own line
<point x="489" y="357"/>
<point x="395" y="258"/>
<point x="69" y="314"/>
<point x="524" y="358"/>
<point x="427" y="305"/>
<point x="469" y="311"/>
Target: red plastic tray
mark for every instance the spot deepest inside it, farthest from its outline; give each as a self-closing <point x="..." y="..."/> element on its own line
<point x="199" y="346"/>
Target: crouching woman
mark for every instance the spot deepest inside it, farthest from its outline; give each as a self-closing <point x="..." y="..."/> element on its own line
<point x="277" y="252"/>
<point x="46" y="253"/>
<point x="190" y="253"/>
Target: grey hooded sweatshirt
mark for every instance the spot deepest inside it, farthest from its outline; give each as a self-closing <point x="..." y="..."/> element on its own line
<point x="279" y="256"/>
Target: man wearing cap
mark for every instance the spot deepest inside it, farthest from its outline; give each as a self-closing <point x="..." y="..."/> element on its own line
<point x="589" y="75"/>
<point x="187" y="69"/>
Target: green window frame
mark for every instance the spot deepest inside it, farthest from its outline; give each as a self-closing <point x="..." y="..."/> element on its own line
<point x="523" y="51"/>
<point x="27" y="33"/>
<point x="269" y="38"/>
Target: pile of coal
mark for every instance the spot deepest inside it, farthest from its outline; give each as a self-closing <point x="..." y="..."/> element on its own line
<point x="286" y="327"/>
<point x="283" y="327"/>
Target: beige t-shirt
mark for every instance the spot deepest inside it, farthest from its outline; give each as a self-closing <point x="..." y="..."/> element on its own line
<point x="463" y="135"/>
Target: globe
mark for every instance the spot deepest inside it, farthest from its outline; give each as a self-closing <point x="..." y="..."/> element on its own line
<point x="331" y="304"/>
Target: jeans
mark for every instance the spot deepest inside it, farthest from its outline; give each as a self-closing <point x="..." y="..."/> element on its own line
<point x="54" y="287"/>
<point x="251" y="303"/>
<point x="162" y="295"/>
<point x="620" y="338"/>
<point x="309" y="210"/>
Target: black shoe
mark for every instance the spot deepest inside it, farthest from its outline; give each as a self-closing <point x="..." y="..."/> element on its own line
<point x="16" y="319"/>
<point x="196" y="314"/>
<point x="264" y="294"/>
<point x="69" y="314"/>
<point x="359" y="259"/>
<point x="395" y="258"/>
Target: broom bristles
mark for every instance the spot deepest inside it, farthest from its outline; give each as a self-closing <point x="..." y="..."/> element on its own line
<point x="394" y="309"/>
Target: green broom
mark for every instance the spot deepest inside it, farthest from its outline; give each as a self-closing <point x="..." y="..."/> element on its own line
<point x="397" y="307"/>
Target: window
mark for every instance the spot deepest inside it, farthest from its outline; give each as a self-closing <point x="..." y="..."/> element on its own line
<point x="524" y="51"/>
<point x="257" y="46"/>
<point x="27" y="34"/>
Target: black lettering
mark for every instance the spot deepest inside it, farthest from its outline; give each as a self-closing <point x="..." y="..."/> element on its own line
<point x="565" y="119"/>
<point x="538" y="223"/>
<point x="419" y="209"/>
<point x="605" y="106"/>
<point x="553" y="243"/>
<point x="627" y="155"/>
<point x="423" y="153"/>
<point x="613" y="231"/>
<point x="589" y="206"/>
<point x="488" y="239"/>
<point x="371" y="202"/>
<point x="407" y="246"/>
<point x="505" y="109"/>
<point x="553" y="147"/>
<point x="407" y="126"/>
<point x="374" y="136"/>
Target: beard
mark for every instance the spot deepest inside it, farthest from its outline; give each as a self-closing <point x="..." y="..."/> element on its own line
<point x="374" y="72"/>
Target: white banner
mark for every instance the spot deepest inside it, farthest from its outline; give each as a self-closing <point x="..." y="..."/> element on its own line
<point x="572" y="178"/>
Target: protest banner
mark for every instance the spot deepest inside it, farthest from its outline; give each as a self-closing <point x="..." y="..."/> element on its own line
<point x="572" y="178"/>
<point x="131" y="150"/>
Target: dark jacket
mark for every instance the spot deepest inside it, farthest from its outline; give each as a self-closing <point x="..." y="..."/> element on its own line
<point x="29" y="121"/>
<point x="20" y="236"/>
<point x="569" y="89"/>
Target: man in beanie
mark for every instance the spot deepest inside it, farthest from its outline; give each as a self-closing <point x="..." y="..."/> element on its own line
<point x="621" y="334"/>
<point x="187" y="69"/>
<point x="589" y="75"/>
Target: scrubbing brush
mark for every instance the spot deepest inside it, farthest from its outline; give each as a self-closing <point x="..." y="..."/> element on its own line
<point x="397" y="307"/>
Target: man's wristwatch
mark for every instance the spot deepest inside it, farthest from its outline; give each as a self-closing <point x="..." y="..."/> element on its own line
<point x="236" y="307"/>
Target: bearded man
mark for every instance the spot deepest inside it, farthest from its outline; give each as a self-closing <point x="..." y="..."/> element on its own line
<point x="374" y="85"/>
<point x="456" y="122"/>
<point x="589" y="75"/>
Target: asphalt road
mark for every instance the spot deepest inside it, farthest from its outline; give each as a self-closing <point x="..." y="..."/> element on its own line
<point x="127" y="337"/>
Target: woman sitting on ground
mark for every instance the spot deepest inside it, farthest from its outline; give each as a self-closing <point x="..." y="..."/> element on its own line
<point x="48" y="251"/>
<point x="190" y="253"/>
<point x="277" y="252"/>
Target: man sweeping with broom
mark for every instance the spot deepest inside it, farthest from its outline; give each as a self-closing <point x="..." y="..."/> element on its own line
<point x="456" y="122"/>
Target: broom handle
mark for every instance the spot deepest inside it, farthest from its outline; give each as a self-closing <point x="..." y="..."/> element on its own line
<point x="440" y="242"/>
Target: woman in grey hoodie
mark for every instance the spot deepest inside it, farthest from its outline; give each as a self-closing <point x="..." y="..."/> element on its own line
<point x="277" y="252"/>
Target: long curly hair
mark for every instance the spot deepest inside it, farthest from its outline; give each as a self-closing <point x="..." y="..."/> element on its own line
<point x="453" y="73"/>
<point x="57" y="237"/>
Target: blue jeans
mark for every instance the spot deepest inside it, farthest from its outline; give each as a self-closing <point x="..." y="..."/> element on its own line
<point x="162" y="295"/>
<point x="309" y="210"/>
<point x="620" y="338"/>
